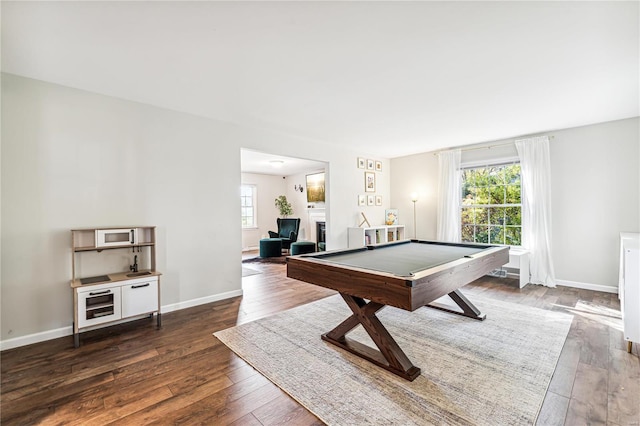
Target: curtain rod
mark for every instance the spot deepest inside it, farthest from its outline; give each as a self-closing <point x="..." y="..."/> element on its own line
<point x="473" y="148"/>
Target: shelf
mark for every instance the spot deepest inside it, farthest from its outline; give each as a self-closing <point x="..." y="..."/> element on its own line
<point x="94" y="248"/>
<point x="114" y="278"/>
<point x="374" y="235"/>
<point x="99" y="306"/>
<point x="101" y="314"/>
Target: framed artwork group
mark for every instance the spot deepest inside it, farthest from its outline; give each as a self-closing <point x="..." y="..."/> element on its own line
<point x="369" y="164"/>
<point x="371" y="167"/>
<point x="370" y="200"/>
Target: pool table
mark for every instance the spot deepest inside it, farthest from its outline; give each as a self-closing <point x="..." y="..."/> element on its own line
<point x="405" y="274"/>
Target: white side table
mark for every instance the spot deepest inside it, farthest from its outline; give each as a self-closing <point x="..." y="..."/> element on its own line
<point x="519" y="259"/>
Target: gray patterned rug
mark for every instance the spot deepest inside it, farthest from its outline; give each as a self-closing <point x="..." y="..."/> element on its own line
<point x="492" y="372"/>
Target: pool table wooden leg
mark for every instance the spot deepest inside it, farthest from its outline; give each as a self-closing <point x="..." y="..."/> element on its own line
<point x="468" y="308"/>
<point x="389" y="356"/>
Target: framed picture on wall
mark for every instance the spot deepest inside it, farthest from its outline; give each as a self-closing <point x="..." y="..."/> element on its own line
<point x="369" y="182"/>
<point x="391" y="217"/>
<point x="362" y="163"/>
<point x="378" y="166"/>
<point x="370" y="165"/>
<point x="370" y="200"/>
<point x="315" y="188"/>
<point x="362" y="200"/>
<point x="378" y="200"/>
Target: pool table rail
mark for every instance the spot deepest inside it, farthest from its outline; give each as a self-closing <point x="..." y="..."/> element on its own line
<point x="404" y="292"/>
<point x="381" y="287"/>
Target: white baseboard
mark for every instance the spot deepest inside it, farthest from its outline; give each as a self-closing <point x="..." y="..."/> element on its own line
<point x="200" y="301"/>
<point x="35" y="338"/>
<point x="587" y="286"/>
<point x="68" y="331"/>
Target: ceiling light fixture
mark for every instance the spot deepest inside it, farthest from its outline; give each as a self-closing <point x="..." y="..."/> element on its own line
<point x="276" y="164"/>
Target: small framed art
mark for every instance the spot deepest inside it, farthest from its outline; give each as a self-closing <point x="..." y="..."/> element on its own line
<point x="378" y="166"/>
<point x="370" y="200"/>
<point x="370" y="165"/>
<point x="362" y="163"/>
<point x="369" y="182"/>
<point x="378" y="200"/>
<point x="362" y="200"/>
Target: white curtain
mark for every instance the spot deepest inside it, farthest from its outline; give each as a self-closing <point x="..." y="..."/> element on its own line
<point x="449" y="196"/>
<point x="536" y="207"/>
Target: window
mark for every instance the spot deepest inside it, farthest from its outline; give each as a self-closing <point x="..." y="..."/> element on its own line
<point x="248" y="203"/>
<point x="491" y="208"/>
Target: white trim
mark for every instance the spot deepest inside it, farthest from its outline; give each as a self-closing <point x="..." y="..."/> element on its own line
<point x="200" y="301"/>
<point x="587" y="286"/>
<point x="489" y="162"/>
<point x="68" y="331"/>
<point x="36" y="338"/>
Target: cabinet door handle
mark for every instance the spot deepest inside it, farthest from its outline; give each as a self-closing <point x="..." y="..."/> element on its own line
<point x="140" y="286"/>
<point x="99" y="293"/>
<point x="132" y="240"/>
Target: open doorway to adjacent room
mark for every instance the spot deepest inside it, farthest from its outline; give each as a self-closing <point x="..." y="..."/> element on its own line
<point x="266" y="177"/>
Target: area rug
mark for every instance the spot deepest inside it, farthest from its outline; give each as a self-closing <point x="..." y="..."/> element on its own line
<point x="279" y="260"/>
<point x="492" y="372"/>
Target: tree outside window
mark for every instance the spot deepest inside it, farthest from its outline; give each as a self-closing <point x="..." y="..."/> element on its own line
<point x="491" y="209"/>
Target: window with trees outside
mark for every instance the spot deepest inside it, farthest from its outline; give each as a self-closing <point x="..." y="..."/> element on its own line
<point x="491" y="209"/>
<point x="248" y="203"/>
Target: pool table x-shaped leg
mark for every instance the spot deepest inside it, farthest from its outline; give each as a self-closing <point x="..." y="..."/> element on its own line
<point x="389" y="356"/>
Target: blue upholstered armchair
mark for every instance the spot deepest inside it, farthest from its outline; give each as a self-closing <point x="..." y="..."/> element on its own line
<point x="287" y="231"/>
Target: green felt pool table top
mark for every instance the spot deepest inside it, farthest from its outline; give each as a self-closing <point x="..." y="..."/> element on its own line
<point x="403" y="258"/>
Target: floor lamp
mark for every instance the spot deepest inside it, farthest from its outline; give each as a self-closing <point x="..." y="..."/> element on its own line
<point x="414" y="198"/>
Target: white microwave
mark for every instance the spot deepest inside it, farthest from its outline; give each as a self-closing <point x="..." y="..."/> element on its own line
<point x="116" y="237"/>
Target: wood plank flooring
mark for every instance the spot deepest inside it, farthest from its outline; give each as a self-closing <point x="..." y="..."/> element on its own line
<point x="135" y="374"/>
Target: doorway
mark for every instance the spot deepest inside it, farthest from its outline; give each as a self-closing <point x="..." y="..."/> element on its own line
<point x="270" y="176"/>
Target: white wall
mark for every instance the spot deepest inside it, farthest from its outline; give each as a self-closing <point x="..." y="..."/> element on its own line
<point x="416" y="174"/>
<point x="595" y="175"/>
<point x="73" y="159"/>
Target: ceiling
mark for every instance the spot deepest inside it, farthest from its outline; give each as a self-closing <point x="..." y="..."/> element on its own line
<point x="382" y="78"/>
<point x="269" y="164"/>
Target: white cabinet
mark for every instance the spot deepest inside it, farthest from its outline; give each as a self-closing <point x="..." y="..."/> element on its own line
<point x="103" y="299"/>
<point x="121" y="298"/>
<point x="360" y="237"/>
<point x="139" y="297"/>
<point x="99" y="305"/>
<point x="629" y="290"/>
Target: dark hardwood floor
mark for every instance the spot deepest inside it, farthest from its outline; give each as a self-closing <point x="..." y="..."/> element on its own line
<point x="135" y="374"/>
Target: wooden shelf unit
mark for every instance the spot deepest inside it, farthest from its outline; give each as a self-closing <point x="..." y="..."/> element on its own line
<point x="114" y="296"/>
